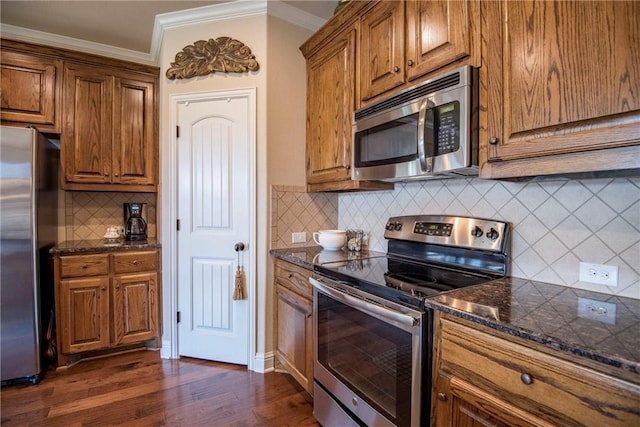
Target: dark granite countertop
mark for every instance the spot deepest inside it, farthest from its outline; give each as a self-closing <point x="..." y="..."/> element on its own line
<point x="541" y="312"/>
<point x="69" y="247"/>
<point x="308" y="256"/>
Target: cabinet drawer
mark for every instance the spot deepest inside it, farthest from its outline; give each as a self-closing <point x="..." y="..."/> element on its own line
<point x="293" y="278"/>
<point x="84" y="265"/>
<point x="135" y="261"/>
<point x="550" y="387"/>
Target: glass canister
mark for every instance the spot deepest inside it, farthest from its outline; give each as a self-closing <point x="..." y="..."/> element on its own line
<point x="354" y="240"/>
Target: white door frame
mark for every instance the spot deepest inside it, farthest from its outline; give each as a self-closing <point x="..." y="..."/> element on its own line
<point x="170" y="191"/>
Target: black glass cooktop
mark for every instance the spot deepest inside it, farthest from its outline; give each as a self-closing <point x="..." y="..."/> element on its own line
<point x="400" y="280"/>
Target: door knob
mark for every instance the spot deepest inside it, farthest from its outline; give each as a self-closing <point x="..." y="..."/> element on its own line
<point x="239" y="247"/>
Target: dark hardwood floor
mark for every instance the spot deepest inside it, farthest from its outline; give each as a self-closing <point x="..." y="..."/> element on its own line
<point x="141" y="389"/>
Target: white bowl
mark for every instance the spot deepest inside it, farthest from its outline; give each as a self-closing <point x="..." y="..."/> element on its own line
<point x="331" y="240"/>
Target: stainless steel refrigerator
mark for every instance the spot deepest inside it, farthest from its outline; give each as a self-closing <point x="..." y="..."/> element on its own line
<point x="28" y="229"/>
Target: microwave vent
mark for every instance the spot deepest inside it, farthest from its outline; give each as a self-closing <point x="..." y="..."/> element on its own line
<point x="410" y="95"/>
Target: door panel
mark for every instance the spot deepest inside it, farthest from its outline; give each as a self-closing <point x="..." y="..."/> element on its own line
<point x="214" y="156"/>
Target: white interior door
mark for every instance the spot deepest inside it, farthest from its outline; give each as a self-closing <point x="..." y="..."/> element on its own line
<point x="215" y="213"/>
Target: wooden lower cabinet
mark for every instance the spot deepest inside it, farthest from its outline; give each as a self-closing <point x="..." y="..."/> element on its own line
<point x="294" y="324"/>
<point x="105" y="301"/>
<point x="485" y="378"/>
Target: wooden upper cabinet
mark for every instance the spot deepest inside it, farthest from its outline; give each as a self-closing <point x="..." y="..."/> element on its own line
<point x="404" y="40"/>
<point x="109" y="137"/>
<point x="439" y="33"/>
<point x="331" y="100"/>
<point x="382" y="54"/>
<point x="330" y="104"/>
<point x="560" y="87"/>
<point x="30" y="90"/>
<point x="135" y="157"/>
<point x="86" y="142"/>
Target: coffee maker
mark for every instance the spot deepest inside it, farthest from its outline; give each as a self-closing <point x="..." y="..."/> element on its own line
<point x="135" y="227"/>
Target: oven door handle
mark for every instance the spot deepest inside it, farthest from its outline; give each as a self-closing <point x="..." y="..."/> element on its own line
<point x="364" y="306"/>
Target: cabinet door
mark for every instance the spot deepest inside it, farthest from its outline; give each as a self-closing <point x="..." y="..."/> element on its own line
<point x="438" y="33"/>
<point x="83" y="323"/>
<point x="87" y="133"/>
<point x="458" y="403"/>
<point x="135" y="309"/>
<point x="29" y="90"/>
<point x="295" y="336"/>
<point x="330" y="105"/>
<point x="382" y="58"/>
<point x="134" y="156"/>
<point x="556" y="90"/>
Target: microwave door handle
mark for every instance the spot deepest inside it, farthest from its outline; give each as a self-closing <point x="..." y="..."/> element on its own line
<point x="426" y="135"/>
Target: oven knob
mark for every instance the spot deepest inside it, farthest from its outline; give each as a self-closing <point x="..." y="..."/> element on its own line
<point x="493" y="234"/>
<point x="398" y="226"/>
<point x="389" y="226"/>
<point x="476" y="232"/>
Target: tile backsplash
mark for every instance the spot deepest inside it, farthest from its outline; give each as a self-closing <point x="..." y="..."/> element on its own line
<point x="556" y="224"/>
<point x="293" y="210"/>
<point x="87" y="214"/>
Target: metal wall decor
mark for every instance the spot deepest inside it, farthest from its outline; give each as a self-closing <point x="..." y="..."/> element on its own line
<point x="224" y="54"/>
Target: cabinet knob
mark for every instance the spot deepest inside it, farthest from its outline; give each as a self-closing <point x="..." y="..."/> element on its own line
<point x="290" y="275"/>
<point x="442" y="397"/>
<point x="103" y="288"/>
<point x="85" y="266"/>
<point x="493" y="140"/>
<point x="135" y="262"/>
<point x="526" y="378"/>
<point x="396" y="69"/>
<point x="354" y="401"/>
<point x="116" y="174"/>
<point x="106" y="174"/>
<point x="118" y="286"/>
<point x="410" y="63"/>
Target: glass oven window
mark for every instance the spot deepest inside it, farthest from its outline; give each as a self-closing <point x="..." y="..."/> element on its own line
<point x="389" y="143"/>
<point x="369" y="356"/>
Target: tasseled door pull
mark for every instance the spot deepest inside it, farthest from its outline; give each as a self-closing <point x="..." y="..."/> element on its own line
<point x="240" y="289"/>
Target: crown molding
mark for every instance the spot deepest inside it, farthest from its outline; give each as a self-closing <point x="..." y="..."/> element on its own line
<point x="229" y="11"/>
<point x="64" y="42"/>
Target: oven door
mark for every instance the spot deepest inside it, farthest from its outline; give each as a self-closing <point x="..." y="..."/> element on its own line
<point x="369" y="357"/>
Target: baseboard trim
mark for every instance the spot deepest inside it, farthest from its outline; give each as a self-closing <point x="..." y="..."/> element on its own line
<point x="264" y="362"/>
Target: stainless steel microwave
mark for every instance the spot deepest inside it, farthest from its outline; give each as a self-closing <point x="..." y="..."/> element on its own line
<point x="427" y="131"/>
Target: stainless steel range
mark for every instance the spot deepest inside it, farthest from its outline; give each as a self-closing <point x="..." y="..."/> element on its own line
<point x="373" y="332"/>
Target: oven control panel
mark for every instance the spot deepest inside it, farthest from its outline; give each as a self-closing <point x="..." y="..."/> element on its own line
<point x="459" y="231"/>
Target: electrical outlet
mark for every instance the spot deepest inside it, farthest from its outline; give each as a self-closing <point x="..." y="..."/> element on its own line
<point x="597" y="310"/>
<point x="600" y="274"/>
<point x="299" y="237"/>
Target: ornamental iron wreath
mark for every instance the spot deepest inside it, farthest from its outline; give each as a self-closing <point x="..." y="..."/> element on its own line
<point x="224" y="54"/>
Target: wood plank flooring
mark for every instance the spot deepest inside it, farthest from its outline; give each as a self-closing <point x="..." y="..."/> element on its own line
<point x="141" y="389"/>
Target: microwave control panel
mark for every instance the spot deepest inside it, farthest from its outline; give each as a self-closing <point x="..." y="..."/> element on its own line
<point x="447" y="131"/>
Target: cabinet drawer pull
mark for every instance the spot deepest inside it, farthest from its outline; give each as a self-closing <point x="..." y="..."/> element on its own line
<point x="442" y="397"/>
<point x="526" y="378"/>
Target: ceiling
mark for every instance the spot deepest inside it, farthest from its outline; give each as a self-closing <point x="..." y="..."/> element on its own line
<point x="121" y="24"/>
